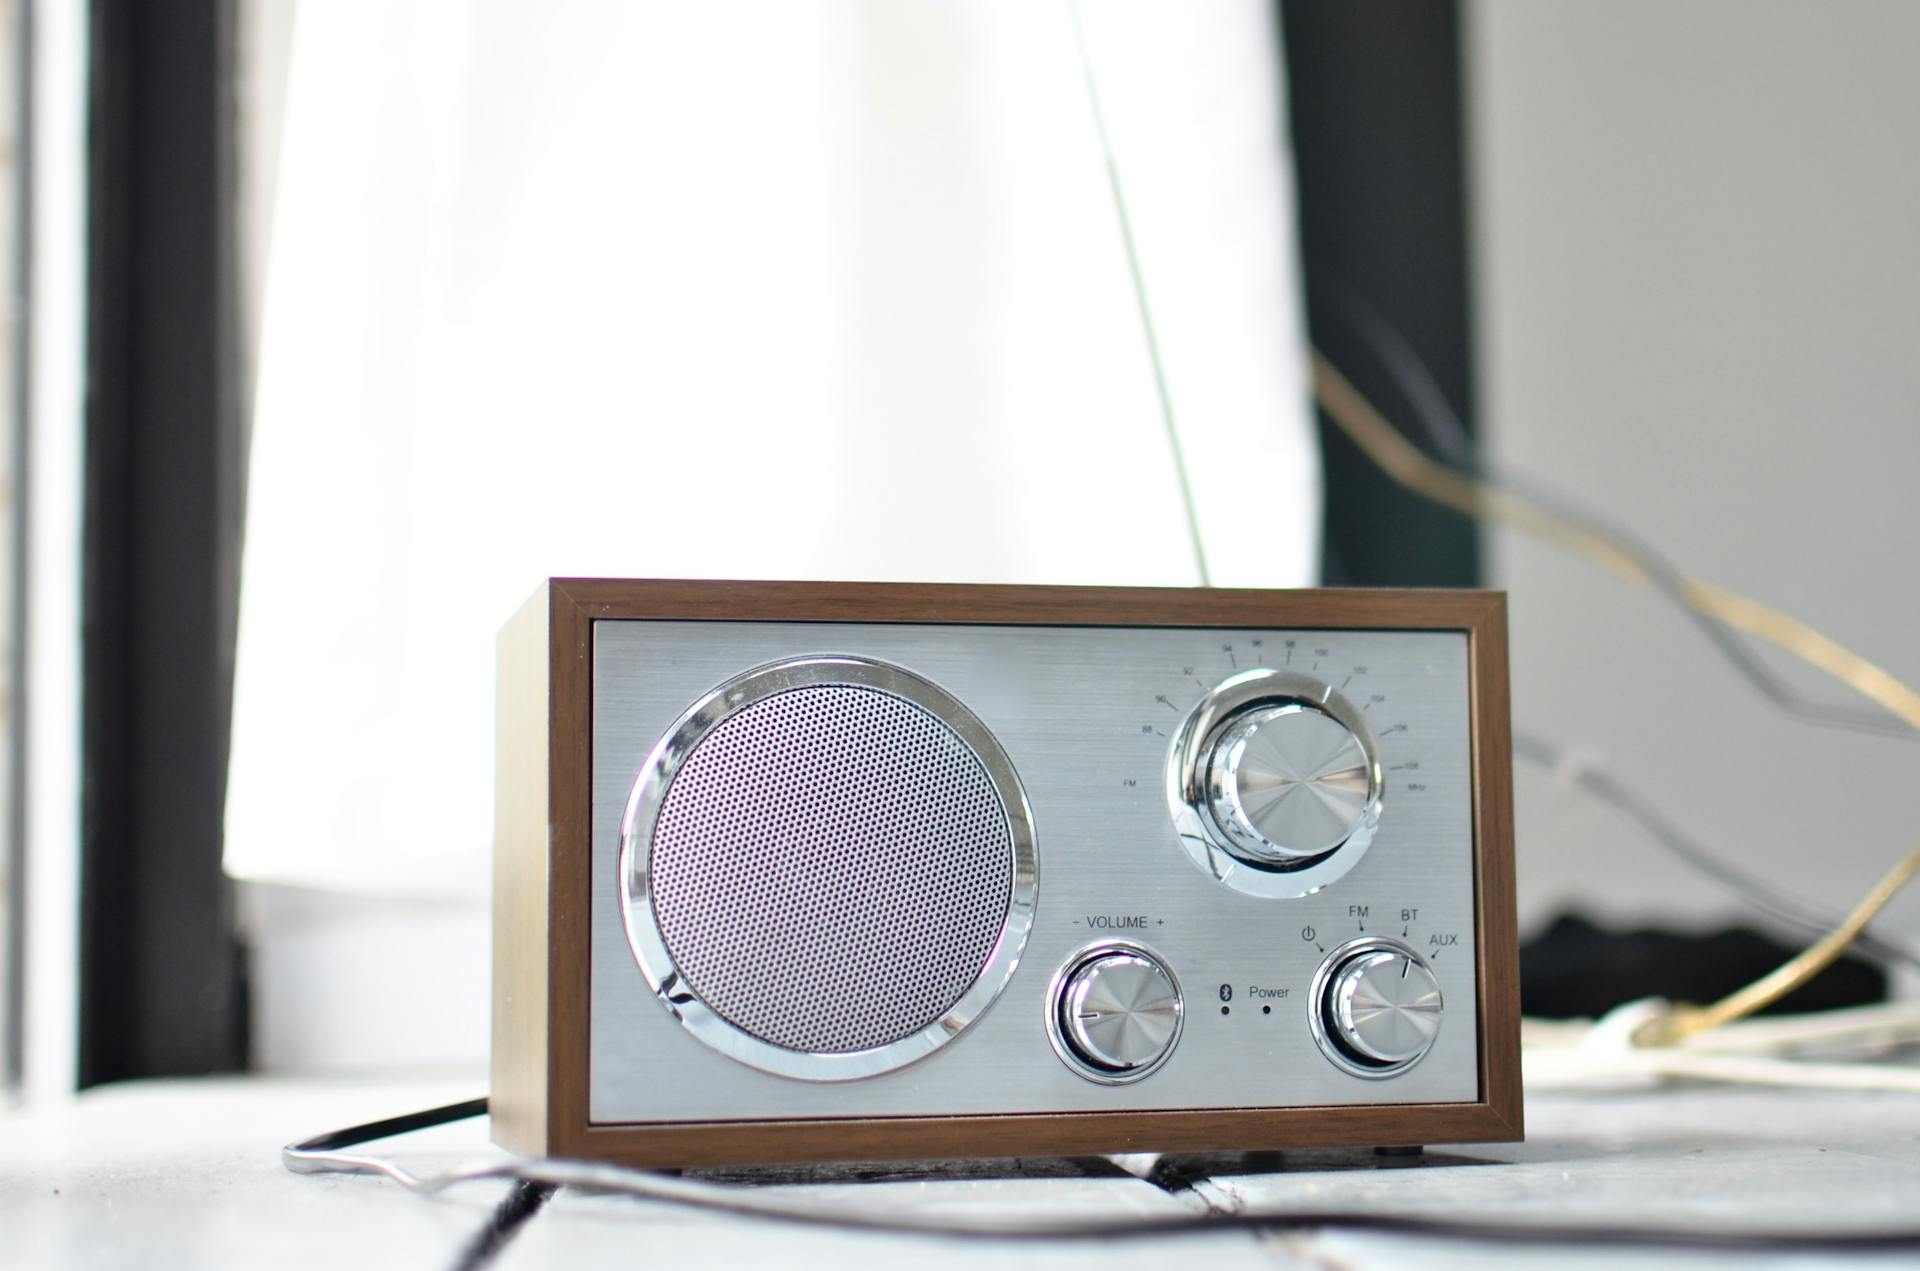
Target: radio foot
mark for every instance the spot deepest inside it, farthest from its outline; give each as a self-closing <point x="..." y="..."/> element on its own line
<point x="1400" y="1155"/>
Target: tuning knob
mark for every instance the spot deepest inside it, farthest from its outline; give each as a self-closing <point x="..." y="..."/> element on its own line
<point x="1115" y="1013"/>
<point x="1376" y="1008"/>
<point x="1275" y="771"/>
<point x="1288" y="783"/>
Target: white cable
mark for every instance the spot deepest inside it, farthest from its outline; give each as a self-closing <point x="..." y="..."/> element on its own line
<point x="1601" y="1055"/>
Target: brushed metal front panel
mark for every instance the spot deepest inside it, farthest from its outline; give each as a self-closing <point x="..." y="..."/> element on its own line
<point x="1086" y="715"/>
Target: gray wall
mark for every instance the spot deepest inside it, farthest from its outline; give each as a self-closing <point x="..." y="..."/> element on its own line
<point x="1698" y="274"/>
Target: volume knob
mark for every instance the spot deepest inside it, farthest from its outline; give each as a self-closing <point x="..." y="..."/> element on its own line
<point x="1377" y="1008"/>
<point x="1116" y="1013"/>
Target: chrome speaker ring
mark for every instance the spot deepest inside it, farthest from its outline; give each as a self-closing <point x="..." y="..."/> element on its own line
<point x="649" y="944"/>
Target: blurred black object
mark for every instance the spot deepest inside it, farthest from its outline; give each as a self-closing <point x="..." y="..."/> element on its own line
<point x="1376" y="113"/>
<point x="1577" y="970"/>
<point x="162" y="969"/>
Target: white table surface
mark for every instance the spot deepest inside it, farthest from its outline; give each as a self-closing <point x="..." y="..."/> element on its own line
<point x="186" y="1174"/>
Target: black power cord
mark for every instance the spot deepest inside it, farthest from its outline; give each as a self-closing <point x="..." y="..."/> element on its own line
<point x="324" y="1154"/>
<point x="356" y="1135"/>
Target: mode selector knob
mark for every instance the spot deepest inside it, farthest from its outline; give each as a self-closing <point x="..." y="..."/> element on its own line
<point x="1115" y="1013"/>
<point x="1377" y="1008"/>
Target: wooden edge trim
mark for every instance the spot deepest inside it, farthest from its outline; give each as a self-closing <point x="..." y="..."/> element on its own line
<point x="968" y="603"/>
<point x="570" y="877"/>
<point x="575" y="604"/>
<point x="1043" y="1134"/>
<point x="1494" y="890"/>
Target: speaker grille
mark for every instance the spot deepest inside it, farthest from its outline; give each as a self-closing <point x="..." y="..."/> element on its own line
<point x="831" y="868"/>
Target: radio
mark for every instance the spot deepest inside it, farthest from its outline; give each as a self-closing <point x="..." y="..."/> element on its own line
<point x="803" y="872"/>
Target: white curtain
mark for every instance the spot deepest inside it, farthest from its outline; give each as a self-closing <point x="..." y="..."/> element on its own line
<point x="822" y="290"/>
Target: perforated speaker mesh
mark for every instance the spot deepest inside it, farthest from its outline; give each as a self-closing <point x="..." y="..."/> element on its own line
<point x="831" y="868"/>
